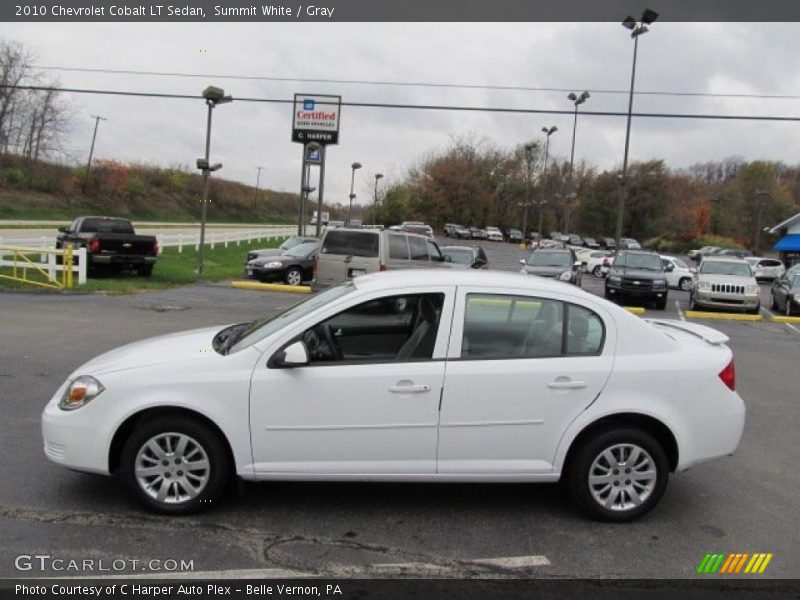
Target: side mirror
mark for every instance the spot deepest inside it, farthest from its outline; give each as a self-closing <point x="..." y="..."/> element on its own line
<point x="669" y="268"/>
<point x="63" y="230"/>
<point x="522" y="261"/>
<point x="692" y="270"/>
<point x="294" y="355"/>
<point x="448" y="258"/>
<point x="577" y="264"/>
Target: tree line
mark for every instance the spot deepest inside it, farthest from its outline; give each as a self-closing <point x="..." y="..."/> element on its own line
<point x="473" y="182"/>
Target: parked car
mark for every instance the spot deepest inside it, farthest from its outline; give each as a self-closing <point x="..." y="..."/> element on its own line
<point x="417" y="227"/>
<point x="725" y="282"/>
<point x="766" y="268"/>
<point x="784" y="295"/>
<point x="679" y="274"/>
<point x="574" y="239"/>
<point x="451" y="230"/>
<point x="553" y="263"/>
<point x="514" y="236"/>
<point x="468" y="257"/>
<point x="111" y="244"/>
<point x="287" y="244"/>
<point x="607" y="243"/>
<point x="582" y="254"/>
<point x="335" y="224"/>
<point x="478" y="233"/>
<point x="494" y="234"/>
<point x="737" y="252"/>
<point x="294" y="266"/>
<point x="629" y="244"/>
<point x="348" y="253"/>
<point x="590" y="242"/>
<point x="700" y="252"/>
<point x="594" y="263"/>
<point x="408" y="392"/>
<point x="637" y="274"/>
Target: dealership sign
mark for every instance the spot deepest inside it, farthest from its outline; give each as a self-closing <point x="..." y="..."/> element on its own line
<point x="316" y="118"/>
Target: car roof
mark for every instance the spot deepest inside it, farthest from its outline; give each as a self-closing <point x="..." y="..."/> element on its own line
<point x="725" y="258"/>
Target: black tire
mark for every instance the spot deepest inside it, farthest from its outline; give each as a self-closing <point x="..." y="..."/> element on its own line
<point x="293" y="276"/>
<point x="773" y="304"/>
<point x="755" y="311"/>
<point x="591" y="449"/>
<point x="607" y="295"/>
<point x="219" y="467"/>
<point x="685" y="284"/>
<point x="145" y="271"/>
<point x="661" y="304"/>
<point x="596" y="271"/>
<point x="692" y="303"/>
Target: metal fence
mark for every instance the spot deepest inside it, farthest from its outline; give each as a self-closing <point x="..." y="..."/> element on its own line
<point x="54" y="269"/>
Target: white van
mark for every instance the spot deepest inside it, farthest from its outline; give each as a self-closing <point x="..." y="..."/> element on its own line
<point x="347" y="253"/>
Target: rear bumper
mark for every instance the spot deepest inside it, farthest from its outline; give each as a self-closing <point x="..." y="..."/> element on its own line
<point x="122" y="259"/>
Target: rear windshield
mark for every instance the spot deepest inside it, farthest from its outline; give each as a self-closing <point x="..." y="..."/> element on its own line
<point x="718" y="267"/>
<point x="106" y="226"/>
<point x="351" y="243"/>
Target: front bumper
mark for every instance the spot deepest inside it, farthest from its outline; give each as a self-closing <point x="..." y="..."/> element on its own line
<point x="616" y="289"/>
<point x="72" y="439"/>
<point x="718" y="300"/>
<point x="263" y="274"/>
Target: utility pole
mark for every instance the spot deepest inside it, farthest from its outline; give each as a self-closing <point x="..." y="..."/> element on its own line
<point x="97" y="119"/>
<point x="258" y="181"/>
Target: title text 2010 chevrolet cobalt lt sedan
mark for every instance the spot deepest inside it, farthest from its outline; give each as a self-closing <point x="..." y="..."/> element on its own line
<point x="410" y="376"/>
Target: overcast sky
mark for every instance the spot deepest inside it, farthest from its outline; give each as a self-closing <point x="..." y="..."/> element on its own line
<point x="732" y="58"/>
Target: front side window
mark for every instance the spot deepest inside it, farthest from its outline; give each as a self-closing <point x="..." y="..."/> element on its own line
<point x="418" y="248"/>
<point x="502" y="326"/>
<point x="393" y="328"/>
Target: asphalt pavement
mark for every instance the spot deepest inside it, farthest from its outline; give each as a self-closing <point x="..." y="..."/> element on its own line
<point x="744" y="503"/>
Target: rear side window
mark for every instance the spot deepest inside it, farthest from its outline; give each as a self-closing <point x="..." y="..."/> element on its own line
<point x="418" y="247"/>
<point x="398" y="247"/>
<point x="351" y="243"/>
<point x="584" y="331"/>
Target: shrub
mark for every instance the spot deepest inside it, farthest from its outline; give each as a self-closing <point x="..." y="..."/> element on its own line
<point x="14" y="176"/>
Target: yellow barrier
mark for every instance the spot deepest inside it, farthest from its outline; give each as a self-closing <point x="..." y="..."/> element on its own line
<point x="636" y="310"/>
<point x="271" y="287"/>
<point x="20" y="264"/>
<point x="721" y="316"/>
<point x="785" y="319"/>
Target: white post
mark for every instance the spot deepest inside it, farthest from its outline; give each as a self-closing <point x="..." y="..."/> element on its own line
<point x="43" y="256"/>
<point x="180" y="243"/>
<point x="225" y="237"/>
<point x="81" y="266"/>
<point x="51" y="266"/>
<point x="213" y="237"/>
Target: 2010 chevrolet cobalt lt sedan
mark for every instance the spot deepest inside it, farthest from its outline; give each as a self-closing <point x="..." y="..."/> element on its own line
<point x="409" y="376"/>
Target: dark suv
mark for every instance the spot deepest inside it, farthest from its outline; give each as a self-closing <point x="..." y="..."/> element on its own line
<point x="637" y="274"/>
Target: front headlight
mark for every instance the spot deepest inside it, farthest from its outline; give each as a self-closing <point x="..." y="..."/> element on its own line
<point x="659" y="283"/>
<point x="566" y="276"/>
<point x="796" y="298"/>
<point x="704" y="285"/>
<point x="80" y="392"/>
<point x="614" y="279"/>
<point x="753" y="289"/>
<point x="274" y="264"/>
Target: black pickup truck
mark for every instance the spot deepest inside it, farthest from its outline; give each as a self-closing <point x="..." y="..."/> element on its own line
<point x="111" y="244"/>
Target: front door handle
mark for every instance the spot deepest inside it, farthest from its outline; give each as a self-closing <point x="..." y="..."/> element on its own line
<point x="564" y="383"/>
<point x="406" y="387"/>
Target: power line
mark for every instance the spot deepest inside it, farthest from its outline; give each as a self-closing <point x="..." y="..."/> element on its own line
<point x="491" y="109"/>
<point x="427" y="84"/>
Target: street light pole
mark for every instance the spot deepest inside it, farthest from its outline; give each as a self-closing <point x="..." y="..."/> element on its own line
<point x="529" y="148"/>
<point x="759" y="210"/>
<point x="354" y="166"/>
<point x="97" y="120"/>
<point x="548" y="132"/>
<point x="577" y="100"/>
<point x="213" y="96"/>
<point x="375" y="210"/>
<point x="636" y="29"/>
<point x="258" y="181"/>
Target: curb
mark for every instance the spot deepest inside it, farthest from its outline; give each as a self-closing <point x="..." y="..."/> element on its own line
<point x="271" y="287"/>
<point x="636" y="310"/>
<point x="695" y="314"/>
<point x="783" y="319"/>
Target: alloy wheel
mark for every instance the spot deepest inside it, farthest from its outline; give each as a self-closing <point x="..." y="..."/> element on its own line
<point x="294" y="277"/>
<point x="172" y="468"/>
<point x="622" y="477"/>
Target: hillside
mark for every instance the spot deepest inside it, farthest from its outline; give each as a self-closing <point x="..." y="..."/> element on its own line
<point x="48" y="191"/>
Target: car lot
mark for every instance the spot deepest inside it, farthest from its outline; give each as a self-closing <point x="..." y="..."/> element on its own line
<point x="745" y="503"/>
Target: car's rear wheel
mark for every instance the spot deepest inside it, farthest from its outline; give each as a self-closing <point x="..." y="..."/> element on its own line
<point x="685" y="284"/>
<point x="294" y="276"/>
<point x="175" y="465"/>
<point x="596" y="271"/>
<point x="145" y="271"/>
<point x="618" y="474"/>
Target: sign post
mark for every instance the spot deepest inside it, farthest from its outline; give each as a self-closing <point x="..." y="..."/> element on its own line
<point x="315" y="124"/>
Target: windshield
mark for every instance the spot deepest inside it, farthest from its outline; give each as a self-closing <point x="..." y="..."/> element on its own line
<point x="646" y="262"/>
<point x="262" y="329"/>
<point x="550" y="259"/>
<point x="302" y="250"/>
<point x="291" y="243"/>
<point x="796" y="281"/>
<point x="718" y="267"/>
<point x="459" y="256"/>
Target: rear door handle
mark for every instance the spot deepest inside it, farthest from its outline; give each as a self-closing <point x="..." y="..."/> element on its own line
<point x="409" y="388"/>
<point x="566" y="384"/>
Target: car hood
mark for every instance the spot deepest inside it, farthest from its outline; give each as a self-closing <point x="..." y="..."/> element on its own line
<point x="267" y="252"/>
<point x="638" y="273"/>
<point x="727" y="279"/>
<point x="171" y="348"/>
<point x="545" y="271"/>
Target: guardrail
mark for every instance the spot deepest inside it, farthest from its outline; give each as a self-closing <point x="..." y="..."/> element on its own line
<point x="48" y="267"/>
<point x="179" y="239"/>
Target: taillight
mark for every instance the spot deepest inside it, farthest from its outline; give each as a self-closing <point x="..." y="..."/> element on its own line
<point x="94" y="245"/>
<point x="728" y="376"/>
<point x="382" y="268"/>
<point x="155" y="248"/>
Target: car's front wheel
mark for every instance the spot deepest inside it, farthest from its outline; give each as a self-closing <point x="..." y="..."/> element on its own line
<point x="175" y="465"/>
<point x="294" y="276"/>
<point x="685" y="284"/>
<point x="618" y="474"/>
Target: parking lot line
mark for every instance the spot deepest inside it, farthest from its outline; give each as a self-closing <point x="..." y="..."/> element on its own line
<point x="271" y="287"/>
<point x="513" y="562"/>
<point x="696" y="314"/>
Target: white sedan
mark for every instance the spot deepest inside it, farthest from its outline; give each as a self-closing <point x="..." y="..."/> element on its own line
<point x="409" y="376"/>
<point x="679" y="274"/>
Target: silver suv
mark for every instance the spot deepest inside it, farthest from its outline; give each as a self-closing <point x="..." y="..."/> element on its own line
<point x="725" y="283"/>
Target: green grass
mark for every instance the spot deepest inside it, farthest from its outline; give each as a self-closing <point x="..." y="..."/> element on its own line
<point x="173" y="269"/>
